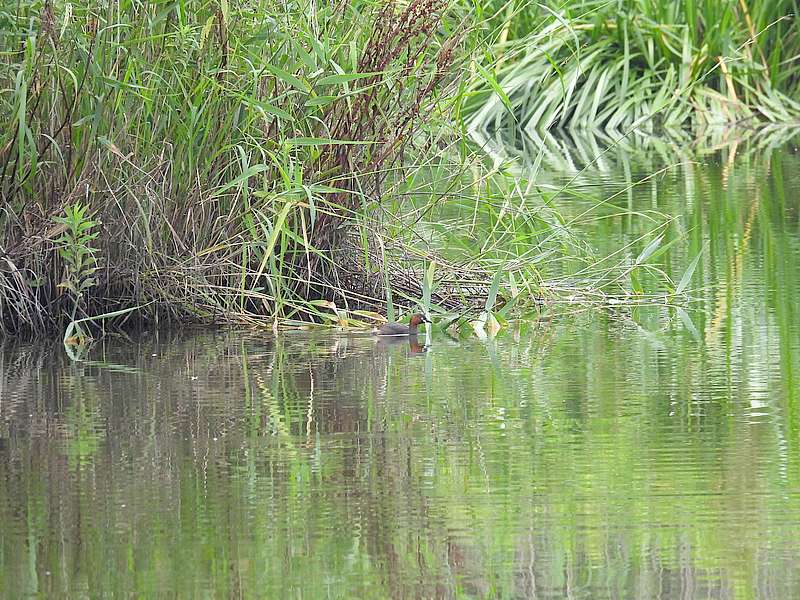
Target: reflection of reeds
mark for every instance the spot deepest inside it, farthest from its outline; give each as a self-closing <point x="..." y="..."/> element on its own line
<point x="551" y="447"/>
<point x="727" y="293"/>
<point x="583" y="155"/>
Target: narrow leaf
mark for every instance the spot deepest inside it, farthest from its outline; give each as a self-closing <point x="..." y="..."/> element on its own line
<point x="687" y="276"/>
<point x="268" y="108"/>
<point x="427" y="287"/>
<point x="344" y="78"/>
<point x="493" y="288"/>
<point x="320" y="100"/>
<point x="287" y="77"/>
<point x="492" y="81"/>
<point x="250" y="172"/>
<point x="273" y="237"/>
<point x="651" y="247"/>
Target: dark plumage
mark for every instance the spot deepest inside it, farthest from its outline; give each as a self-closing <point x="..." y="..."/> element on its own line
<point x="400" y="329"/>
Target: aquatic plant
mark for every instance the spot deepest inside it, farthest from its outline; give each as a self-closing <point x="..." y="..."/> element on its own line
<point x="640" y="64"/>
<point x="223" y="147"/>
<point x="76" y="249"/>
<point x="249" y="160"/>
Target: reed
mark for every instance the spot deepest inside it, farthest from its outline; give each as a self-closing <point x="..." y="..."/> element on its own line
<point x="219" y="150"/>
<point x="254" y="162"/>
<point x="641" y="64"/>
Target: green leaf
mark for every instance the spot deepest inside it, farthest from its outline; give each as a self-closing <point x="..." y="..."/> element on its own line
<point x="268" y="108"/>
<point x="651" y="247"/>
<point x="493" y="288"/>
<point x="492" y="81"/>
<point x="427" y="287"/>
<point x="287" y="77"/>
<point x="312" y="207"/>
<point x="320" y="101"/>
<point x="687" y="276"/>
<point x="250" y="172"/>
<point x="273" y="237"/>
<point x="344" y="78"/>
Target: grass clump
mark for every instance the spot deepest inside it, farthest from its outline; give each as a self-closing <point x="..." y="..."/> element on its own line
<point x="639" y="64"/>
<point x="211" y="155"/>
<point x="257" y="161"/>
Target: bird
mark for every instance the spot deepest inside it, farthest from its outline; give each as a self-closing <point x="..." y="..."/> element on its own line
<point x="400" y="329"/>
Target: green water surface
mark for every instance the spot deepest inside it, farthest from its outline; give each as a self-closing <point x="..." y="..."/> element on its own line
<point x="624" y="455"/>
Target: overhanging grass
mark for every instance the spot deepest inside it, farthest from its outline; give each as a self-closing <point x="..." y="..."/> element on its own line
<point x="616" y="65"/>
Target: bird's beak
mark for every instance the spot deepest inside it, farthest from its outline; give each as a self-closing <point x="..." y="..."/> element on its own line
<point x="427" y="320"/>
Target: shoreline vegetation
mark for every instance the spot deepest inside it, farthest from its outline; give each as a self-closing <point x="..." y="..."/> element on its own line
<point x="275" y="163"/>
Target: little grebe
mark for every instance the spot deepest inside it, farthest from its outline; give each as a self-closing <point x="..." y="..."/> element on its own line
<point x="400" y="329"/>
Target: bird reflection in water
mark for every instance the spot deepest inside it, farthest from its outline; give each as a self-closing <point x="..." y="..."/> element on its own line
<point x="414" y="345"/>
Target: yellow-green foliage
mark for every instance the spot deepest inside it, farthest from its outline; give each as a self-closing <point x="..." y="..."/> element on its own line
<point x="222" y="145"/>
<point x="643" y="64"/>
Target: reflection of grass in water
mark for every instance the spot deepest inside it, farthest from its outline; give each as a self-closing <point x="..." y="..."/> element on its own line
<point x="583" y="156"/>
<point x="83" y="428"/>
<point x="705" y="199"/>
<point x="732" y="288"/>
<point x="559" y="456"/>
<point x="518" y="463"/>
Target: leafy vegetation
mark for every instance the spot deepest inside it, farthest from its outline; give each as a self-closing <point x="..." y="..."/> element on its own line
<point x="618" y="65"/>
<point x="261" y="160"/>
<point x="76" y="250"/>
<point x="222" y="147"/>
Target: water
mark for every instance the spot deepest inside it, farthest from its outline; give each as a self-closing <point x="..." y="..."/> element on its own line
<point x="597" y="456"/>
